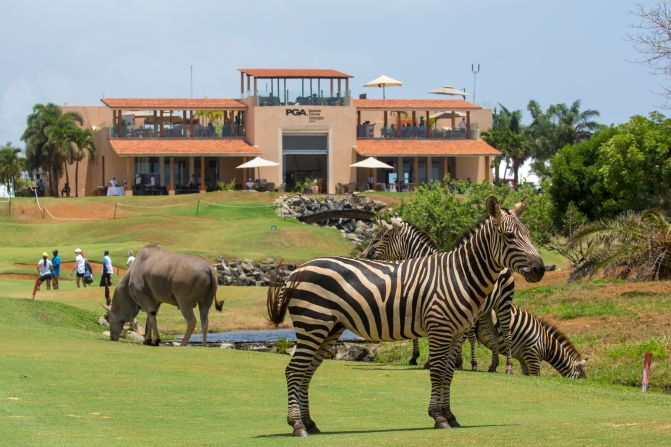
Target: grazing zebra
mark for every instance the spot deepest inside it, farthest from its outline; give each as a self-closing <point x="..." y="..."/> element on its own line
<point x="402" y="240"/>
<point x="535" y="340"/>
<point x="438" y="296"/>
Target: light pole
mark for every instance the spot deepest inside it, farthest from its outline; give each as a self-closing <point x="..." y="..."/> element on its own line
<point x="475" y="69"/>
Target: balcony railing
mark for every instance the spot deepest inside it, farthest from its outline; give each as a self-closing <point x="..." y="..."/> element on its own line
<point x="407" y="132"/>
<point x="226" y="131"/>
<point x="301" y="98"/>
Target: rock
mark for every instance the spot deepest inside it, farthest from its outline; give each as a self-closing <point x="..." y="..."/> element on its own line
<point x="102" y="321"/>
<point x="227" y="345"/>
<point x="353" y="352"/>
<point x="134" y="336"/>
<point x="550" y="267"/>
<point x="106" y="333"/>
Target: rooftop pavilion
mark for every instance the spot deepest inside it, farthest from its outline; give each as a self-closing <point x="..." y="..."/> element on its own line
<point x="306" y="86"/>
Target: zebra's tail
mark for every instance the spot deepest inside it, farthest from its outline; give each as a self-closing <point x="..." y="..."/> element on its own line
<point x="279" y="296"/>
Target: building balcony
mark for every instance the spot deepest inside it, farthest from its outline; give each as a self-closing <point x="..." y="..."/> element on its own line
<point x="300" y="98"/>
<point x="365" y="131"/>
<point x="179" y="131"/>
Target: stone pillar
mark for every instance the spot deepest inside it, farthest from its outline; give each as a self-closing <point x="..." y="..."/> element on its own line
<point x="161" y="172"/>
<point x="429" y="170"/>
<point x="171" y="187"/>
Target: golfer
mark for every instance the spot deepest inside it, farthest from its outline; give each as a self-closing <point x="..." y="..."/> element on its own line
<point x="44" y="267"/>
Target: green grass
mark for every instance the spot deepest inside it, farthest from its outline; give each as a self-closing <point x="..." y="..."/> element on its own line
<point x="64" y="384"/>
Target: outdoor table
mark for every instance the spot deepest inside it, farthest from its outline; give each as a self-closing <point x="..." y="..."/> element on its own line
<point x="115" y="191"/>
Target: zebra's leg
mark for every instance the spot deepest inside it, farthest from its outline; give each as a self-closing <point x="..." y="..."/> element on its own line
<point x="308" y="344"/>
<point x="472" y="341"/>
<point x="523" y="367"/>
<point x="440" y="342"/>
<point x="445" y="408"/>
<point x="323" y="352"/>
<point x="415" y="352"/>
<point x="494" y="337"/>
<point x="503" y="317"/>
<point x="459" y="358"/>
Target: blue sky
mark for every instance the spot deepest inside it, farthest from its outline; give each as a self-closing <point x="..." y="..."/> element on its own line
<point x="552" y="51"/>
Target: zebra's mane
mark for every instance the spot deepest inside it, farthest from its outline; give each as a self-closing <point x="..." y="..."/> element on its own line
<point x="469" y="232"/>
<point x="561" y="338"/>
<point x="426" y="237"/>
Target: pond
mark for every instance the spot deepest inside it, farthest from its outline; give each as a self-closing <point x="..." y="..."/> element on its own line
<point x="259" y="336"/>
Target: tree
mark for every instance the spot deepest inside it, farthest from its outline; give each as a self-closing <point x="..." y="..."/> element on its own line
<point x="46" y="131"/>
<point x="11" y="165"/>
<point x="629" y="245"/>
<point x="85" y="144"/>
<point x="558" y="126"/>
<point x="653" y="41"/>
<point x="627" y="167"/>
<point x="507" y="136"/>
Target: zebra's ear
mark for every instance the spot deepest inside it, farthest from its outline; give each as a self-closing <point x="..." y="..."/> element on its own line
<point x="519" y="208"/>
<point x="582" y="362"/>
<point x="396" y="222"/>
<point x="494" y="209"/>
<point x="383" y="224"/>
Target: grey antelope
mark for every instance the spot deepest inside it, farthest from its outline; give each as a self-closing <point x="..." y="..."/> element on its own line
<point x="438" y="296"/>
<point x="402" y="240"/>
<point x="535" y="340"/>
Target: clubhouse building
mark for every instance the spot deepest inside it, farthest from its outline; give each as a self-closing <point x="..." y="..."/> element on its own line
<point x="303" y="119"/>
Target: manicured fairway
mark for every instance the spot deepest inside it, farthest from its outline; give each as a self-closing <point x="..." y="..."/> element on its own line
<point x="62" y="383"/>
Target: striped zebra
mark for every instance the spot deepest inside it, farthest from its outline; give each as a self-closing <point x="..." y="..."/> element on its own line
<point x="402" y="240"/>
<point x="534" y="340"/>
<point x="438" y="296"/>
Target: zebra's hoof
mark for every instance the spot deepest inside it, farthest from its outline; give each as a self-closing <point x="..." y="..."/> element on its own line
<point x="474" y="368"/>
<point x="312" y="428"/>
<point x="492" y="369"/>
<point x="441" y="423"/>
<point x="412" y="362"/>
<point x="509" y="369"/>
<point x="453" y="422"/>
<point x="300" y="432"/>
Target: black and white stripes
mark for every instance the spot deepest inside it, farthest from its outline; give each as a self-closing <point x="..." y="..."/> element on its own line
<point x="438" y="296"/>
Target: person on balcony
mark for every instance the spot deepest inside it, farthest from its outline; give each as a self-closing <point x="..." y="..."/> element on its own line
<point x="462" y="124"/>
<point x="210" y="130"/>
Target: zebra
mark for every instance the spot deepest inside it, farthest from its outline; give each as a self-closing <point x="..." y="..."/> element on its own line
<point x="534" y="340"/>
<point x="438" y="296"/>
<point x="402" y="240"/>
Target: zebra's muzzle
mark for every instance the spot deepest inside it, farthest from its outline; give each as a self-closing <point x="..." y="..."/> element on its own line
<point x="535" y="271"/>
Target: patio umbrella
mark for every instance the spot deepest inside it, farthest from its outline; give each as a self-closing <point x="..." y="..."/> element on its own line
<point x="383" y="81"/>
<point x="449" y="90"/>
<point x="257" y="162"/>
<point x="371" y="163"/>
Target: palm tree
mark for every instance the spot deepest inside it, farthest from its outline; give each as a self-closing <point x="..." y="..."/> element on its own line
<point x="629" y="245"/>
<point x="572" y="124"/>
<point x="508" y="135"/>
<point x="46" y="133"/>
<point x="11" y="165"/>
<point x="85" y="144"/>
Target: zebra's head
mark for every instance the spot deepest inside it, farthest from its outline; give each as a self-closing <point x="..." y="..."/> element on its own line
<point x="512" y="246"/>
<point x="383" y="245"/>
<point x="577" y="370"/>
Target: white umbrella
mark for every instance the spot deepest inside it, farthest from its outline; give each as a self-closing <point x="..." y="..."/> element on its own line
<point x="383" y="81"/>
<point x="447" y="114"/>
<point x="449" y="90"/>
<point x="257" y="162"/>
<point x="371" y="163"/>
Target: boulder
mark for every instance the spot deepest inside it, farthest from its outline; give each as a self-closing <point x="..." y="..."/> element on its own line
<point x="353" y="352"/>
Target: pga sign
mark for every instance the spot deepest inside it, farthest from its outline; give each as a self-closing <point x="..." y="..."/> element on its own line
<point x="296" y="112"/>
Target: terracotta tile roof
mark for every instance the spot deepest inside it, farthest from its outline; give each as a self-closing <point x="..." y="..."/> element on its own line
<point x="294" y="73"/>
<point x="419" y="147"/>
<point x="183" y="147"/>
<point x="173" y="103"/>
<point x="421" y="104"/>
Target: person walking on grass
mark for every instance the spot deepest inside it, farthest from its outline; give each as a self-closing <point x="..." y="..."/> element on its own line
<point x="44" y="267"/>
<point x="130" y="260"/>
<point x="80" y="266"/>
<point x="56" y="269"/>
<point x="106" y="276"/>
